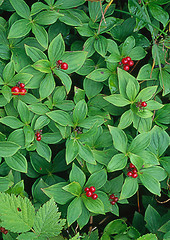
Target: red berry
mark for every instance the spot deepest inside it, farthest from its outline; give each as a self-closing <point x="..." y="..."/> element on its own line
<point x="134" y="175"/>
<point x="94" y="196"/>
<point x="116" y="199"/>
<point x="128" y="58"/>
<point x="38" y="134"/>
<point x="22" y="91"/>
<point x="143" y="104"/>
<point x="124" y="61"/>
<point x="89" y="194"/>
<point x="2" y="229"/>
<point x="86" y="189"/>
<point x="112" y="196"/>
<point x="59" y="62"/>
<point x="38" y="138"/>
<point x="126" y="68"/>
<point x="131" y="165"/>
<point x="22" y="85"/>
<point x="129" y="174"/>
<point x="134" y="170"/>
<point x="131" y="63"/>
<point x="120" y="63"/>
<point x="113" y="202"/>
<point x="64" y="66"/>
<point x="5" y="232"/>
<point x="92" y="189"/>
<point x="15" y="90"/>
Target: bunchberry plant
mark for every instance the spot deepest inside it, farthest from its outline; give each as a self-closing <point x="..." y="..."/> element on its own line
<point x="84" y="119"/>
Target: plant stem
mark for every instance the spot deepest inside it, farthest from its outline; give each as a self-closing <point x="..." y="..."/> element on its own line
<point x="138" y="201"/>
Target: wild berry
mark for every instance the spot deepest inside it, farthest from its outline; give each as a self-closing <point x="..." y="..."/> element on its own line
<point x="126" y="68"/>
<point x="59" y="62"/>
<point x="5" y="232"/>
<point x="131" y="63"/>
<point x="38" y="138"/>
<point x="15" y="90"/>
<point x="86" y="189"/>
<point x="129" y="174"/>
<point x="124" y="61"/>
<point x="92" y="189"/>
<point x="22" y="91"/>
<point x="116" y="199"/>
<point x="120" y="63"/>
<point x="22" y="85"/>
<point x="64" y="66"/>
<point x="128" y="58"/>
<point x="143" y="104"/>
<point x="113" y="202"/>
<point x="131" y="165"/>
<point x="134" y="170"/>
<point x="134" y="175"/>
<point x="89" y="194"/>
<point x="112" y="196"/>
<point x="38" y="134"/>
<point x="94" y="196"/>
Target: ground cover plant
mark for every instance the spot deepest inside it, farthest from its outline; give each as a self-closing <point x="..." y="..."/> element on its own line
<point x="84" y="118"/>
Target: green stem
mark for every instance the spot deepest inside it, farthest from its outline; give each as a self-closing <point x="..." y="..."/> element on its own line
<point x="131" y="14"/>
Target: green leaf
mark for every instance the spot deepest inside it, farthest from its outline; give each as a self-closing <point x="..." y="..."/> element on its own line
<point x="85" y="30"/>
<point x="149" y="158"/>
<point x="74" y="210"/>
<point x="131" y="91"/>
<point x="80" y="112"/>
<point x="24" y="112"/>
<point x="118" y="162"/>
<point x="125" y="119"/>
<point x="5" y="183"/>
<point x="153" y="219"/>
<point x="29" y="135"/>
<point x="40" y="34"/>
<point x="39" y="163"/>
<point x="156" y="172"/>
<point x="42" y="66"/>
<point x="12" y="122"/>
<point x="146" y="93"/>
<point x="99" y="75"/>
<point x="159" y="141"/>
<point x="140" y="142"/>
<point x="69" y="18"/>
<point x="129" y="188"/>
<point x="85" y="153"/>
<point x="47" y="86"/>
<point x="92" y="88"/>
<point x="8" y="72"/>
<point x="73" y="188"/>
<point x="56" y="191"/>
<point x="119" y="139"/>
<point x="151" y="183"/>
<point x="136" y="160"/>
<point x="84" y="217"/>
<point x="128" y="44"/>
<point x="115" y="227"/>
<point x="65" y="79"/>
<point x="117" y="100"/>
<point x="43" y="150"/>
<point x="153" y="105"/>
<point x="77" y="175"/>
<point x="148" y="236"/>
<point x="41" y="122"/>
<point x="74" y="59"/>
<point x="47" y="221"/>
<point x="6" y="91"/>
<point x="137" y="53"/>
<point x="7" y="149"/>
<point x="65" y="4"/>
<point x="56" y="49"/>
<point x="61" y="117"/>
<point x="21" y="8"/>
<point x="39" y="108"/>
<point x="94" y="206"/>
<point x="17" y="162"/>
<point x="71" y="150"/>
<point x="159" y="13"/>
<point x="47" y="17"/>
<point x="34" y="53"/>
<point x="100" y="45"/>
<point x="19" y="29"/>
<point x="97" y="179"/>
<point x="10" y="216"/>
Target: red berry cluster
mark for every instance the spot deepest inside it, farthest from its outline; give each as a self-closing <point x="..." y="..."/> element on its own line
<point x="113" y="199"/>
<point x="38" y="135"/>
<point x="90" y="192"/>
<point x="141" y="104"/>
<point x="62" y="65"/>
<point x="19" y="89"/>
<point x="133" y="171"/>
<point x="3" y="230"/>
<point x="127" y="63"/>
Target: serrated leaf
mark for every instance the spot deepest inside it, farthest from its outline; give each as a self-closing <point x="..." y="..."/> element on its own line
<point x="47" y="221"/>
<point x="11" y="216"/>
